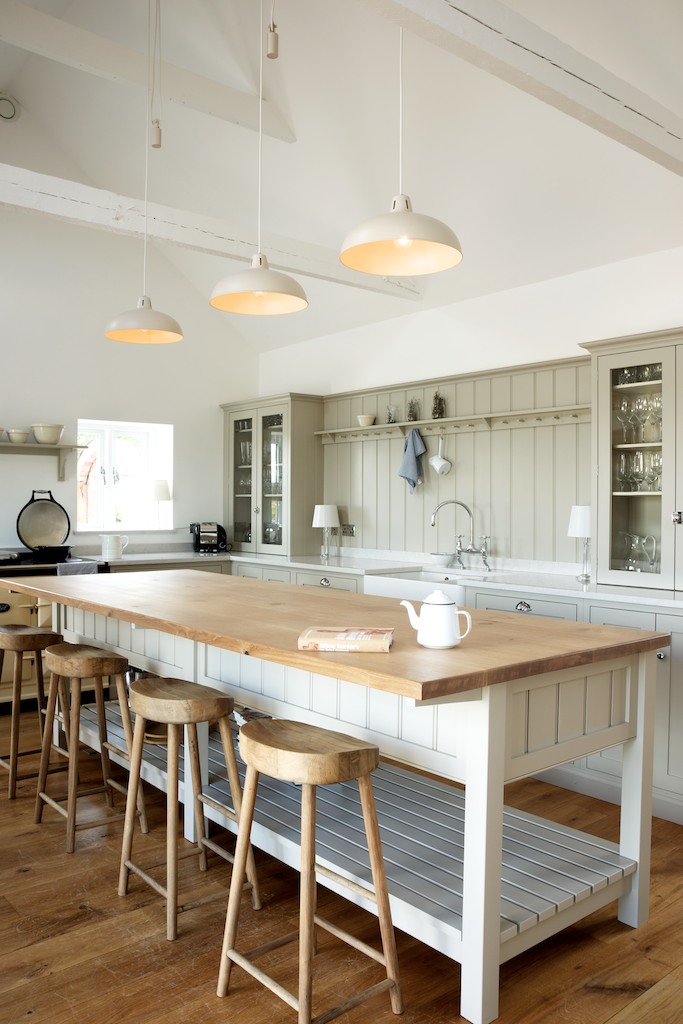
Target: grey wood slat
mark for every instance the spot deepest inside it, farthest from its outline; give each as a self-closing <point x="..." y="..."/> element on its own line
<point x="546" y="867"/>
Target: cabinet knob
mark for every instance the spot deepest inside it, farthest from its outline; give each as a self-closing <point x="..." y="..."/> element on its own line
<point x="677" y="518"/>
<point x="257" y="510"/>
<point x="522" y="606"/>
<point x="661" y="655"/>
<point x="324" y="582"/>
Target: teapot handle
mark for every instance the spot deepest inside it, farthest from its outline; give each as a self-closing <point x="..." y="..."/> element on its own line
<point x="468" y="619"/>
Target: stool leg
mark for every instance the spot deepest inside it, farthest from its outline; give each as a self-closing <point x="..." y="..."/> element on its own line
<point x="172" y="832"/>
<point x="14" y="727"/>
<point x="307" y="902"/>
<point x="236" y="794"/>
<point x="72" y="783"/>
<point x="196" y="772"/>
<point x="133" y="784"/>
<point x="379" y="880"/>
<point x="40" y="689"/>
<point x="102" y="736"/>
<point x="237" y="878"/>
<point x="128" y="733"/>
<point x="46" y="746"/>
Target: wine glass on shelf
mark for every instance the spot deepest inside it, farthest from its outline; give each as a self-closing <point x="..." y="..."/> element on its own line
<point x="657" y="470"/>
<point x="622" y="471"/>
<point x="655" y="413"/>
<point x="637" y="473"/>
<point x="624" y="413"/>
<point x="640" y="414"/>
<point x="650" y="474"/>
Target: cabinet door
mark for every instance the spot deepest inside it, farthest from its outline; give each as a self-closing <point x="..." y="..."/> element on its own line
<point x="242" y="449"/>
<point x="270" y="520"/>
<point x="636" y="468"/>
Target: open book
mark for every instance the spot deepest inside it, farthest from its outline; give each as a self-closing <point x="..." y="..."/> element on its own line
<point x="346" y="638"/>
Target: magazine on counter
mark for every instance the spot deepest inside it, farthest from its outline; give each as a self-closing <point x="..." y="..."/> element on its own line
<point x="347" y="638"/>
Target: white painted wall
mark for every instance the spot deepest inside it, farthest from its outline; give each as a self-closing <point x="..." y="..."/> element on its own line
<point x="536" y="323"/>
<point x="59" y="286"/>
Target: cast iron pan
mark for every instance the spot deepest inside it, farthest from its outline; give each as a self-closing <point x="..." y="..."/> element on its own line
<point x="43" y="526"/>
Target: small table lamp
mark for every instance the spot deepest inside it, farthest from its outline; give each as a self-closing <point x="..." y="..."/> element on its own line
<point x="325" y="516"/>
<point x="580" y="526"/>
<point x="160" y="492"/>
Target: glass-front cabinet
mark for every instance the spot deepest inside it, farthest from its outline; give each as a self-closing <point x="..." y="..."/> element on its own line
<point x="637" y="537"/>
<point x="274" y="475"/>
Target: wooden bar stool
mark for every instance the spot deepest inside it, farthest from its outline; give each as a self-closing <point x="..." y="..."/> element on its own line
<point x="177" y="703"/>
<point x="304" y="754"/>
<point x="69" y="665"/>
<point x="18" y="640"/>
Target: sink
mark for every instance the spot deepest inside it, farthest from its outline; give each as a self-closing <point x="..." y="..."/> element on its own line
<point x="416" y="584"/>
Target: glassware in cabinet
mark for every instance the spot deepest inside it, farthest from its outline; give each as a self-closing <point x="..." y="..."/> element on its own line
<point x="636" y="416"/>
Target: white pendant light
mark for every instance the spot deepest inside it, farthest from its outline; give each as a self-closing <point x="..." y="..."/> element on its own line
<point x="259" y="291"/>
<point x="144" y="325"/>
<point x="401" y="243"/>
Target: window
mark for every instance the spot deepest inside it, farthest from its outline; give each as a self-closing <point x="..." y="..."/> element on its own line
<point x="124" y="476"/>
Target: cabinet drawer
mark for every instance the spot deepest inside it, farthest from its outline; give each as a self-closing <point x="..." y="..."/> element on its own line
<point x="553" y="609"/>
<point x="327" y="581"/>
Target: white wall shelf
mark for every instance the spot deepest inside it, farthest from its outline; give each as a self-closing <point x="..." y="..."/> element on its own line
<point x="453" y="424"/>
<point x="60" y="450"/>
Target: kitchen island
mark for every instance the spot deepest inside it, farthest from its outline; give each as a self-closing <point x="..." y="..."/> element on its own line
<point x="473" y="879"/>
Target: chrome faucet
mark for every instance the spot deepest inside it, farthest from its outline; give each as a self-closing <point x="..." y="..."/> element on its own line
<point x="470" y="549"/>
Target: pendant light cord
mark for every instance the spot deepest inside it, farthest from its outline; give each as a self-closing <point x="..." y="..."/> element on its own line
<point x="400" y="111"/>
<point x="153" y="74"/>
<point x="260" y="130"/>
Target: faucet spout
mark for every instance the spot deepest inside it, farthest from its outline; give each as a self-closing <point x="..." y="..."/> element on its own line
<point x="452" y="501"/>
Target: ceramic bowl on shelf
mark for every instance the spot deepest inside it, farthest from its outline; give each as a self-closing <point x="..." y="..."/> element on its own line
<point x="47" y="433"/>
<point x="365" y="421"/>
<point x="17" y="435"/>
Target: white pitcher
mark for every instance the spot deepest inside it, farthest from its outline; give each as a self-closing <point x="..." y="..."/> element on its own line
<point x="113" y="545"/>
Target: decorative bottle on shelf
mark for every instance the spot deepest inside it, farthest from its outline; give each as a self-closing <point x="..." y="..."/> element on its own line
<point x="413" y="410"/>
<point x="438" y="406"/>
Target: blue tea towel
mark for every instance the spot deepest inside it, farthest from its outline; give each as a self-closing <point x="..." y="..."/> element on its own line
<point x="411" y="467"/>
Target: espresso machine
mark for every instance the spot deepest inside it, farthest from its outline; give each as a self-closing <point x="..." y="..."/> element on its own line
<point x="209" y="538"/>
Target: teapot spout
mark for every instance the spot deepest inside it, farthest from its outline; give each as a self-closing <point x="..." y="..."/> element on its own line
<point x="412" y="615"/>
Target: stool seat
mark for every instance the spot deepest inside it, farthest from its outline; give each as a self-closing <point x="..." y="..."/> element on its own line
<point x="16" y="637"/>
<point x="178" y="703"/>
<point x="70" y="664"/>
<point x="297" y="752"/>
<point x="310" y="756"/>
<point x="81" y="661"/>
<point x="19" y="639"/>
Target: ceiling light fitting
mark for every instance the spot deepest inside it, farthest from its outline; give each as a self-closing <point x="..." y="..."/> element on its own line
<point x="259" y="291"/>
<point x="144" y="325"/>
<point x="401" y="243"/>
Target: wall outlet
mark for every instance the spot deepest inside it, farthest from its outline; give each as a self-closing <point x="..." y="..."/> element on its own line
<point x="348" y="530"/>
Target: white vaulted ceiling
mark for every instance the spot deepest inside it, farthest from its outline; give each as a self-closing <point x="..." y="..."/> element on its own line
<point x="547" y="134"/>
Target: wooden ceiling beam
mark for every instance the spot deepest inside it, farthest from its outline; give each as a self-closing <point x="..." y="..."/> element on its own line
<point x="38" y="33"/>
<point x="93" y="207"/>
<point x="496" y="39"/>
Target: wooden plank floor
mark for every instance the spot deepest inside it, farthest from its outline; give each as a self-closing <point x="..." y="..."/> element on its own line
<point x="72" y="950"/>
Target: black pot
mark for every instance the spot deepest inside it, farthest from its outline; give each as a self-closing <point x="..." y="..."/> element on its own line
<point x="47" y="554"/>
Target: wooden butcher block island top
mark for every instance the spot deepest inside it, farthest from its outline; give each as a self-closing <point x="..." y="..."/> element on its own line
<point x="264" y="619"/>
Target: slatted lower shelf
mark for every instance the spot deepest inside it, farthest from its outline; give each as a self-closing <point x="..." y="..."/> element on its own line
<point x="551" y="875"/>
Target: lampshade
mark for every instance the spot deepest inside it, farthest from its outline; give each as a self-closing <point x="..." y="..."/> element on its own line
<point x="325" y="516"/>
<point x="401" y="244"/>
<point x="579" y="521"/>
<point x="259" y="291"/>
<point x="160" y="490"/>
<point x="144" y="326"/>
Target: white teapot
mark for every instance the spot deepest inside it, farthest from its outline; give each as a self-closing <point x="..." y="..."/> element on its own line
<point x="438" y="623"/>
